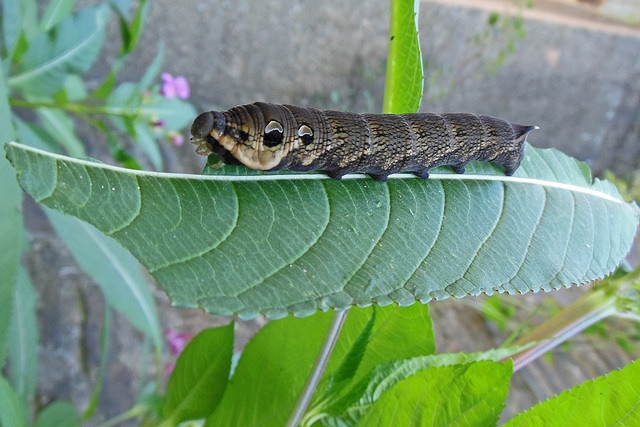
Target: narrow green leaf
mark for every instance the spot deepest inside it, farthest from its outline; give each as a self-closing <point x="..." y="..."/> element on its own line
<point x="10" y="225"/>
<point x="61" y="128"/>
<point x="35" y="136"/>
<point x="355" y="241"/>
<point x="347" y="369"/>
<point x="459" y="395"/>
<point x="72" y="49"/>
<point x="200" y="376"/>
<point x="404" y="81"/>
<point x="113" y="269"/>
<point x="58" y="414"/>
<point x="55" y="12"/>
<point x="154" y="68"/>
<point x="271" y="373"/>
<point x="23" y="339"/>
<point x="611" y="400"/>
<point x="12" y="411"/>
<point x="137" y="25"/>
<point x="149" y="145"/>
<point x="11" y="20"/>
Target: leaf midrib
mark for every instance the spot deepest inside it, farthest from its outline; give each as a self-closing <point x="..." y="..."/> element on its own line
<point x="315" y="176"/>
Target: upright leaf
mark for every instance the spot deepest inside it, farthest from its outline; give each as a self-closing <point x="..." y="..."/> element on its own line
<point x="404" y="81"/>
<point x="71" y="50"/>
<point x="296" y="243"/>
<point x="200" y="376"/>
<point x="271" y="373"/>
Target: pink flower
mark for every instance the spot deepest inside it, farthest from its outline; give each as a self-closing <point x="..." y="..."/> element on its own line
<point x="174" y="86"/>
<point x="175" y="137"/>
<point x="177" y="342"/>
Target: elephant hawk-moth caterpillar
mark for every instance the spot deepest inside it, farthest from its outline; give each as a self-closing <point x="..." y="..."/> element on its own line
<point x="272" y="137"/>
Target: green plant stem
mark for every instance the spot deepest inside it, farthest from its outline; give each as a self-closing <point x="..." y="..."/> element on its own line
<point x="600" y="302"/>
<point x="77" y="108"/>
<point x="318" y="368"/>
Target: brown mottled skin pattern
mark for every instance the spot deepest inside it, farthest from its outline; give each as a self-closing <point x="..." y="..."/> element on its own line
<point x="274" y="137"/>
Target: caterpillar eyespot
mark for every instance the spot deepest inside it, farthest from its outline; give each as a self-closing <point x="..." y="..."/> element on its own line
<point x="272" y="137"/>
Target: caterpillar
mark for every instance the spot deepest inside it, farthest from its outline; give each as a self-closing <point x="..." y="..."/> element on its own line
<point x="272" y="137"/>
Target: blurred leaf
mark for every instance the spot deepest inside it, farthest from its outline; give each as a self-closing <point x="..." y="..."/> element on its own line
<point x="74" y="88"/>
<point x="55" y="12"/>
<point x="122" y="7"/>
<point x="12" y="412"/>
<point x="175" y="112"/>
<point x="113" y="269"/>
<point x="460" y="395"/>
<point x="23" y="338"/>
<point x="609" y="400"/>
<point x="69" y="48"/>
<point x="11" y="28"/>
<point x="29" y="23"/>
<point x="404" y="81"/>
<point x="149" y="145"/>
<point x="10" y="225"/>
<point x="131" y="32"/>
<point x="153" y="70"/>
<point x="137" y="25"/>
<point x="35" y="136"/>
<point x="58" y="414"/>
<point x="200" y="376"/>
<point x="271" y="373"/>
<point x="61" y="128"/>
<point x="225" y="242"/>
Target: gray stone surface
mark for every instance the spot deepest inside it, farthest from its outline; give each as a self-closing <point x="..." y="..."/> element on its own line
<point x="574" y="75"/>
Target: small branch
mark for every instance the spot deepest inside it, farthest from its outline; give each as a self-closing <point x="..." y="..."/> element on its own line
<point x="318" y="368"/>
<point x="77" y="108"/>
<point x="601" y="301"/>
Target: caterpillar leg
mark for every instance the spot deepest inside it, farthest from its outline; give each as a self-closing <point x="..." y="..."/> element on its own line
<point x="424" y="174"/>
<point x="336" y="174"/>
<point x="382" y="177"/>
<point x="458" y="168"/>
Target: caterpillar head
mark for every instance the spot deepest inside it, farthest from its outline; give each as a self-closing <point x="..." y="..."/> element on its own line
<point x="244" y="135"/>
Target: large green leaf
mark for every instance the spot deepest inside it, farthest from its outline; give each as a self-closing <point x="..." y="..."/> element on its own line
<point x="611" y="400"/>
<point x="295" y="243"/>
<point x="459" y="395"/>
<point x="70" y="47"/>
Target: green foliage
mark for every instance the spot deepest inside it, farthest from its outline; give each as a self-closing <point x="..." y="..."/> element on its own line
<point x="404" y="82"/>
<point x="44" y="60"/>
<point x="613" y="399"/>
<point x="458" y="395"/>
<point x="200" y="376"/>
<point x="239" y="241"/>
<point x="544" y="210"/>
